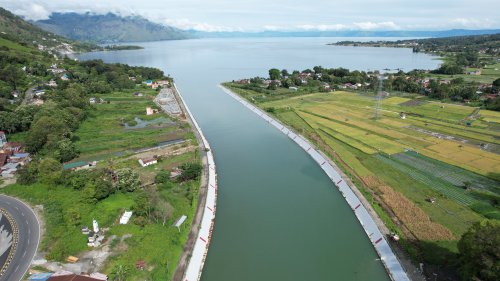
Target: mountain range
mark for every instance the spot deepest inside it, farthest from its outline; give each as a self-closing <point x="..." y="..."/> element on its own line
<point x="109" y="28"/>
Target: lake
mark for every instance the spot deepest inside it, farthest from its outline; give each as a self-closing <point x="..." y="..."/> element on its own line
<point x="279" y="217"/>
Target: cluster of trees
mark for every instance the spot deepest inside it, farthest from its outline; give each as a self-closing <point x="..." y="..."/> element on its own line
<point x="329" y="75"/>
<point x="479" y="251"/>
<point x="411" y="82"/>
<point x="95" y="184"/>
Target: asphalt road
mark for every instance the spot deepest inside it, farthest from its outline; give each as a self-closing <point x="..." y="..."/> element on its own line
<point x="29" y="237"/>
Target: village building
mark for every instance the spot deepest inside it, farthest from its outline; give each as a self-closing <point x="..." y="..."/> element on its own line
<point x="475" y="72"/>
<point x="148" y="82"/>
<point x="148" y="162"/>
<point x="149" y="111"/>
<point x="163" y="83"/>
<point x="92" y="100"/>
<point x="51" y="83"/>
<point x="56" y="70"/>
<point x="65" y="77"/>
<point x="402" y="115"/>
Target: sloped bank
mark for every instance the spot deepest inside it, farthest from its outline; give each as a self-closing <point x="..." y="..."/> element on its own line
<point x="377" y="238"/>
<point x="192" y="260"/>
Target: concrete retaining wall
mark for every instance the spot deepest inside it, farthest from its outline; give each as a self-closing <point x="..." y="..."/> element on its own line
<point x="200" y="249"/>
<point x="391" y="263"/>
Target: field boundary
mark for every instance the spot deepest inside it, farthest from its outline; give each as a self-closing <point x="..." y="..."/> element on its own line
<point x="376" y="237"/>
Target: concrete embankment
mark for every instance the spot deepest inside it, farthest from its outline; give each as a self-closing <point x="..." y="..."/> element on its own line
<point x="378" y="240"/>
<point x="192" y="260"/>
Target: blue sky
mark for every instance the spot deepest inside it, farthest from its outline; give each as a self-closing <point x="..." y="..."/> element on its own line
<point x="258" y="15"/>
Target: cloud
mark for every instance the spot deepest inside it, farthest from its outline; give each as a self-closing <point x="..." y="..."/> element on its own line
<point x="386" y="25"/>
<point x="33" y="11"/>
<point x="187" y="24"/>
<point x="473" y="23"/>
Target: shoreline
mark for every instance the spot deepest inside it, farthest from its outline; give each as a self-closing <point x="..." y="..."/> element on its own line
<point x="373" y="226"/>
<point x="192" y="260"/>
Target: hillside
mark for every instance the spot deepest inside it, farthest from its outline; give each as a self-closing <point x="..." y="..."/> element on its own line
<point x="489" y="44"/>
<point x="109" y="28"/>
<point x="14" y="28"/>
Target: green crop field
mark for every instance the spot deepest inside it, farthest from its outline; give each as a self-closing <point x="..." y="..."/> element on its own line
<point x="435" y="152"/>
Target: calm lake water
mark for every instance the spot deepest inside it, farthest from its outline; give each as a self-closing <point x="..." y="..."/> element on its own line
<point x="278" y="215"/>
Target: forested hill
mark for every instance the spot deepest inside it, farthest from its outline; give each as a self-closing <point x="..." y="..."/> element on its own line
<point x="489" y="44"/>
<point x="14" y="28"/>
<point x="109" y="28"/>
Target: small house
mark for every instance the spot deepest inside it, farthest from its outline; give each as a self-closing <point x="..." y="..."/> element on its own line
<point x="52" y="83"/>
<point x="402" y="115"/>
<point x="163" y="83"/>
<point x="294" y="89"/>
<point x="148" y="162"/>
<point x="475" y="72"/>
<point x="148" y="82"/>
<point x="137" y="94"/>
<point x="149" y="111"/>
<point x="92" y="100"/>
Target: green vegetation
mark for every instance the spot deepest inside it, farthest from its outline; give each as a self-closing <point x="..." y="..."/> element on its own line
<point x="64" y="110"/>
<point x="400" y="164"/>
<point x="480" y="252"/>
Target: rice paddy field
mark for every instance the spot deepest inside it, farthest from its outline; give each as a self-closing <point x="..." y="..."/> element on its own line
<point x="445" y="153"/>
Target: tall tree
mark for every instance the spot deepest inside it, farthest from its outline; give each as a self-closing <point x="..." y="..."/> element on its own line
<point x="480" y="252"/>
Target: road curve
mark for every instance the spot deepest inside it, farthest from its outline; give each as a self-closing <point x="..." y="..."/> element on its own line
<point x="29" y="237"/>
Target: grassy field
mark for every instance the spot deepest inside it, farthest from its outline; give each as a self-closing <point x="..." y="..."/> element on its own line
<point x="401" y="163"/>
<point x="103" y="134"/>
<point x="488" y="74"/>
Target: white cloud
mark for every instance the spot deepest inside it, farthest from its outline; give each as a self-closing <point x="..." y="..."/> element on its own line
<point x="473" y="23"/>
<point x="32" y="11"/>
<point x="386" y="25"/>
<point x="187" y="24"/>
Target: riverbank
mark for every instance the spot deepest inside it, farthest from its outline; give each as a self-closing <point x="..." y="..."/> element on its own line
<point x="195" y="250"/>
<point x="369" y="221"/>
